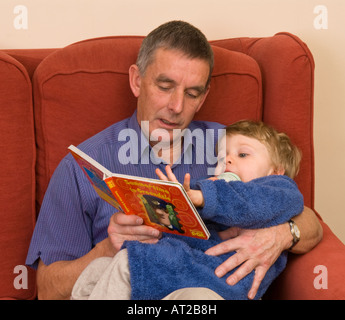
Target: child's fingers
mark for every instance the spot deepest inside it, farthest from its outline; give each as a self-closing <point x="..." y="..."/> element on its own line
<point x="186" y="182"/>
<point x="161" y="175"/>
<point x="170" y="174"/>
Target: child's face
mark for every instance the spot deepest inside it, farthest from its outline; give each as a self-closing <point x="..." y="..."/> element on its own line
<point x="247" y="157"/>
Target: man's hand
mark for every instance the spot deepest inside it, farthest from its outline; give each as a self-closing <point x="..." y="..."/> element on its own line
<point x="255" y="250"/>
<point x="124" y="227"/>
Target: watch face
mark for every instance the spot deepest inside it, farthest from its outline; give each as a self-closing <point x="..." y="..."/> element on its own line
<point x="297" y="233"/>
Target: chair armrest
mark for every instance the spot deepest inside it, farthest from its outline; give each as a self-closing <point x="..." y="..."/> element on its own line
<point x="316" y="275"/>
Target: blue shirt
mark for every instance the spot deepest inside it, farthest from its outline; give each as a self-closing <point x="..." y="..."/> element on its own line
<point x="73" y="218"/>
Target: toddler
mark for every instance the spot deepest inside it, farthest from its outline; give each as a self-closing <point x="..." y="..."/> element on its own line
<point x="263" y="162"/>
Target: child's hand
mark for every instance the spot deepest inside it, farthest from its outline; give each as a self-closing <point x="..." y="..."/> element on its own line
<point x="195" y="195"/>
<point x="169" y="177"/>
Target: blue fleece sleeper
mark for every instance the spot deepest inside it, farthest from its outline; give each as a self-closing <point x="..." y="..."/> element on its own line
<point x="177" y="262"/>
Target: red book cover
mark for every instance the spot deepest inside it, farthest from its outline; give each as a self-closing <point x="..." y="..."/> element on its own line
<point x="163" y="205"/>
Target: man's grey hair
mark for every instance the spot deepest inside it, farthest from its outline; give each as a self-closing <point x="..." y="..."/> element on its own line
<point x="175" y="35"/>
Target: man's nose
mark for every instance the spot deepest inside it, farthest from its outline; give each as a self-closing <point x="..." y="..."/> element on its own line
<point x="176" y="101"/>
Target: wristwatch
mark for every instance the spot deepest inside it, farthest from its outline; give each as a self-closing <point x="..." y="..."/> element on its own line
<point x="296" y="234"/>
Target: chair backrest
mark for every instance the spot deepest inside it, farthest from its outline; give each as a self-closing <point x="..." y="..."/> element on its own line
<point x="287" y="70"/>
<point x="17" y="183"/>
<point x="83" y="88"/>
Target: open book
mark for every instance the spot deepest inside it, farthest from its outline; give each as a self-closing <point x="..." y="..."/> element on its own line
<point x="163" y="205"/>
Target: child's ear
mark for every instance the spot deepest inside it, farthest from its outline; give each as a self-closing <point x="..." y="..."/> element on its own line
<point x="279" y="171"/>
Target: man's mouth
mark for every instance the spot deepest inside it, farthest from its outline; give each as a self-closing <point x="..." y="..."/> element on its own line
<point x="168" y="123"/>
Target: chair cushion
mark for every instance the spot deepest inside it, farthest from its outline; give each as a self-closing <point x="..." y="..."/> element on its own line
<point x="316" y="275"/>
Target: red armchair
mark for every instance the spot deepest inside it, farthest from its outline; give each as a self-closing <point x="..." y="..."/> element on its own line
<point x="83" y="88"/>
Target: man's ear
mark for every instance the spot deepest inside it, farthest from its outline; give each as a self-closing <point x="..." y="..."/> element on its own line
<point x="134" y="79"/>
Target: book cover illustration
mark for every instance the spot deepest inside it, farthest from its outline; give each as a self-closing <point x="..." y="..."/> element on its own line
<point x="163" y="205"/>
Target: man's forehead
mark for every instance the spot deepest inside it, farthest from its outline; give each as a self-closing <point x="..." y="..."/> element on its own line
<point x="173" y="55"/>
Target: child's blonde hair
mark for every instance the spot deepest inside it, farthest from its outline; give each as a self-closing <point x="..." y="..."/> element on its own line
<point x="284" y="154"/>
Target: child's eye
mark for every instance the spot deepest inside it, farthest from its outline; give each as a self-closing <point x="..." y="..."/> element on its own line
<point x="242" y="155"/>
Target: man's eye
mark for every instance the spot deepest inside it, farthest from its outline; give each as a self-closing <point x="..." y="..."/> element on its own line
<point x="191" y="95"/>
<point x="164" y="88"/>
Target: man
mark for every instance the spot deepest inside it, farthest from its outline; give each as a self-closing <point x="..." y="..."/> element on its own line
<point x="171" y="81"/>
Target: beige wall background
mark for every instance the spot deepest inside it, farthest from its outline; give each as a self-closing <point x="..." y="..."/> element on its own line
<point x="321" y="24"/>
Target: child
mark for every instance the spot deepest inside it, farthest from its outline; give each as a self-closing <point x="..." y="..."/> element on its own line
<point x="266" y="162"/>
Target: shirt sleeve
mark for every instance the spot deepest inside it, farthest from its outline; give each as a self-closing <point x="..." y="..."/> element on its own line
<point x="63" y="228"/>
<point x="260" y="203"/>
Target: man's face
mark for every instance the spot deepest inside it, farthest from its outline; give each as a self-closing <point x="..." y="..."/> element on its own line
<point x="171" y="91"/>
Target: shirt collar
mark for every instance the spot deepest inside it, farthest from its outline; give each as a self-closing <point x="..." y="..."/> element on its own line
<point x="145" y="148"/>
